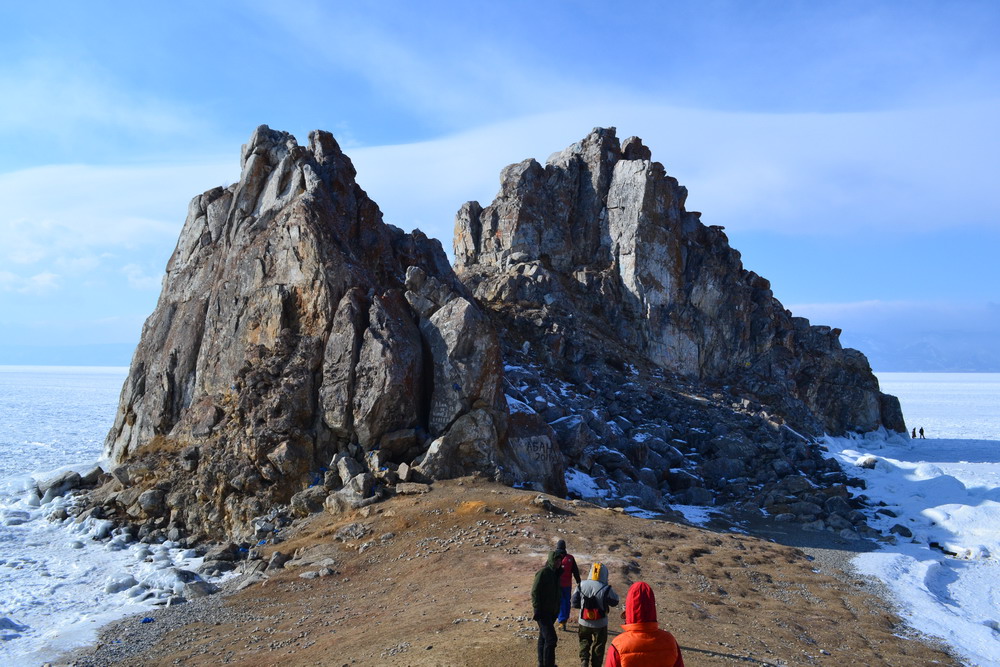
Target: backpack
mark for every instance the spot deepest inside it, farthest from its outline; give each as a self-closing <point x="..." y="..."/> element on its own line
<point x="593" y="608"/>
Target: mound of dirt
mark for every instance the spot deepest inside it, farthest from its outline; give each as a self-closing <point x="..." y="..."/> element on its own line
<point x="444" y="578"/>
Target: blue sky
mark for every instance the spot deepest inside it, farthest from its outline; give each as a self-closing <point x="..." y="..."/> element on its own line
<point x="851" y="149"/>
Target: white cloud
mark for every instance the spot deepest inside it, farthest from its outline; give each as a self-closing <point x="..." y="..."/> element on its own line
<point x="457" y="79"/>
<point x="68" y="219"/>
<point x="798" y="174"/>
<point x="65" y="98"/>
<point x="39" y="283"/>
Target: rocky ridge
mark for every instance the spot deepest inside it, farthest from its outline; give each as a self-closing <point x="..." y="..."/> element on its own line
<point x="305" y="355"/>
<point x="594" y="260"/>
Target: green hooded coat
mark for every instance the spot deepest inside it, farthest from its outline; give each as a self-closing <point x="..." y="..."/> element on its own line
<point x="545" y="592"/>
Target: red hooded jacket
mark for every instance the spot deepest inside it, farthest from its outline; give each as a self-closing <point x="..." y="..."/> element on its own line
<point x="642" y="643"/>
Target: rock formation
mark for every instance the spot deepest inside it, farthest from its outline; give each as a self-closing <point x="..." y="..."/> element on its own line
<point x="593" y="258"/>
<point x="297" y="332"/>
<point x="305" y="355"/>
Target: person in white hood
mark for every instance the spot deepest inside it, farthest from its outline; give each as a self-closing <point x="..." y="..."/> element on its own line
<point x="593" y="598"/>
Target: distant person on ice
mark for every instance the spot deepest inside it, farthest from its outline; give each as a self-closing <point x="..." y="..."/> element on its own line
<point x="545" y="605"/>
<point x="922" y="433"/>
<point x="569" y="572"/>
<point x="642" y="642"/>
<point x="914" y="435"/>
<point x="593" y="598"/>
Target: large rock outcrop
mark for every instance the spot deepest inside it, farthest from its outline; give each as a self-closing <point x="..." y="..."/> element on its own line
<point x="593" y="258"/>
<point x="306" y="355"/>
<point x="299" y="339"/>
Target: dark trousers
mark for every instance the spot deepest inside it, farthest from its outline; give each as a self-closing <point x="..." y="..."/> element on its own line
<point x="592" y="643"/>
<point x="547" y="640"/>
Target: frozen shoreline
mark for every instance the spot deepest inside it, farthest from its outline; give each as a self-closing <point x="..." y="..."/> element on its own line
<point x="64" y="578"/>
<point x="941" y="499"/>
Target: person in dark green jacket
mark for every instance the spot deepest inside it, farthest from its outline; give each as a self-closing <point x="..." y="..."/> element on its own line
<point x="545" y="594"/>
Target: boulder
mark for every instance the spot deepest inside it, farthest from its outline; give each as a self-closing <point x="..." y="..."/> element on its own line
<point x="198" y="589"/>
<point x="901" y="530"/>
<point x="59" y="485"/>
<point x="469" y="445"/>
<point x="805" y="509"/>
<point x="152" y="502"/>
<point x="795" y="484"/>
<point x="531" y="455"/>
<point x="412" y="488"/>
<point x="308" y="501"/>
<point x="837" y="505"/>
<point x="223" y="552"/>
<point x="214" y="568"/>
<point x="695" y="495"/>
<point x="277" y="560"/>
<point x="573" y="435"/>
<point x="721" y="469"/>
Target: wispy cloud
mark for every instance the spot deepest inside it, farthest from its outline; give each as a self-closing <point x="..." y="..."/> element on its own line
<point x="39" y="283"/>
<point x="71" y="219"/>
<point x="65" y="98"/>
<point x="440" y="72"/>
<point x="797" y="174"/>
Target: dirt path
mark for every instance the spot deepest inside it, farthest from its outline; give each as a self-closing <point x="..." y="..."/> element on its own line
<point x="445" y="579"/>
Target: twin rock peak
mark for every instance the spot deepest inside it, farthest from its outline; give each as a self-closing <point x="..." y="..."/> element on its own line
<point x="304" y="351"/>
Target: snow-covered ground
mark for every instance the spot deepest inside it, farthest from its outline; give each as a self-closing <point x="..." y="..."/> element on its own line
<point x="945" y="492"/>
<point x="61" y="580"/>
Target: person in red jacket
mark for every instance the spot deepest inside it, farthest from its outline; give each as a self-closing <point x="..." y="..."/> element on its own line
<point x="642" y="643"/>
<point x="569" y="572"/>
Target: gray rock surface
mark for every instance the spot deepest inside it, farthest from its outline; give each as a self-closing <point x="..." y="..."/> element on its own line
<point x="593" y="258"/>
<point x="295" y="325"/>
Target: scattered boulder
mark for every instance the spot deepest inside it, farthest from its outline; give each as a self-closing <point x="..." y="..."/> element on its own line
<point x="412" y="488"/>
<point x="198" y="589"/>
<point x="59" y="485"/>
<point x="867" y="461"/>
<point x="223" y="552"/>
<point x="309" y="500"/>
<point x="277" y="560"/>
<point x="901" y="530"/>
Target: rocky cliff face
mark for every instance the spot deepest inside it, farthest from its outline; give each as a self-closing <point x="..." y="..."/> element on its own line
<point x="594" y="259"/>
<point x="306" y="355"/>
<point x="299" y="340"/>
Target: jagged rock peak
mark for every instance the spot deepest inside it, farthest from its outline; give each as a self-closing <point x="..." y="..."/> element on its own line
<point x="605" y="263"/>
<point x="300" y="339"/>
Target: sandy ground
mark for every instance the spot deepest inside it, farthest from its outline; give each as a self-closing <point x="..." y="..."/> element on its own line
<point x="445" y="579"/>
